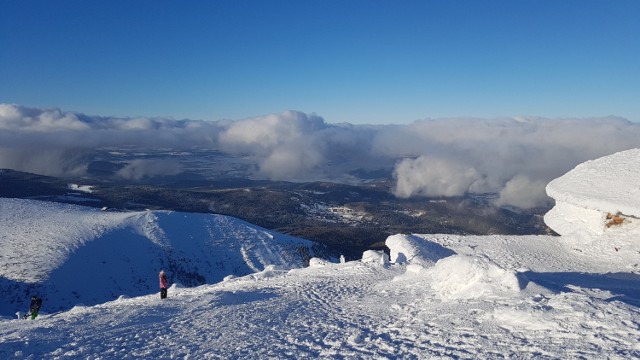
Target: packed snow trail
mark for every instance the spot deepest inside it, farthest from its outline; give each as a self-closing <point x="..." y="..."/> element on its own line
<point x="352" y="310"/>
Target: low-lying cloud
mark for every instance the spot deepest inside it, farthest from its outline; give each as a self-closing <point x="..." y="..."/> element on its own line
<point x="511" y="157"/>
<point x="145" y="168"/>
<point x="284" y="146"/>
<point x="429" y="176"/>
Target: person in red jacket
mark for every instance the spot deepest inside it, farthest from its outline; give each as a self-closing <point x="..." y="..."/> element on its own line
<point x="163" y="285"/>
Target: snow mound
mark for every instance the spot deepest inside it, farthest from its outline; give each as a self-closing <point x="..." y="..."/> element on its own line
<point x="451" y="276"/>
<point x="375" y="257"/>
<point x="467" y="277"/>
<point x="593" y="190"/>
<point x="318" y="262"/>
<point x="412" y="249"/>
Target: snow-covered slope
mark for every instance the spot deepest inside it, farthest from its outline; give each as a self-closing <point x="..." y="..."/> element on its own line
<point x="437" y="296"/>
<point x="77" y="255"/>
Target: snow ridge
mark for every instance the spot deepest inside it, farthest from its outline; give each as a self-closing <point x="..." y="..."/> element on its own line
<point x="71" y="254"/>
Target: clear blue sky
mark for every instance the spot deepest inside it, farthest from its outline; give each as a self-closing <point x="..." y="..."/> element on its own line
<point x="356" y="61"/>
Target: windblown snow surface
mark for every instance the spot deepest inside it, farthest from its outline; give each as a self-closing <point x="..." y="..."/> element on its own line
<point x="573" y="296"/>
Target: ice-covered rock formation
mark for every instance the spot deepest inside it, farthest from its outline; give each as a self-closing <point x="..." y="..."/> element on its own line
<point x="597" y="196"/>
<point x="597" y="214"/>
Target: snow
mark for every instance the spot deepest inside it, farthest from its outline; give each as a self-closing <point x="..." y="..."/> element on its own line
<point x="405" y="249"/>
<point x="587" y="193"/>
<point x="574" y="296"/>
<point x="82" y="188"/>
<point x="375" y="257"/>
<point x="71" y="254"/>
<point x="467" y="277"/>
<point x="607" y="184"/>
<point x="336" y="214"/>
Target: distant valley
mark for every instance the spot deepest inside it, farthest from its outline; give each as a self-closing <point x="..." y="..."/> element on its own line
<point x="350" y="215"/>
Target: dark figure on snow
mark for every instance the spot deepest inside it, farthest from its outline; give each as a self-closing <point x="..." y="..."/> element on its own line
<point x="163" y="285"/>
<point x="36" y="302"/>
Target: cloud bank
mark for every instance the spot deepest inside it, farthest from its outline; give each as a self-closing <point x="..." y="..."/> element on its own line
<point x="511" y="157"/>
<point x="141" y="168"/>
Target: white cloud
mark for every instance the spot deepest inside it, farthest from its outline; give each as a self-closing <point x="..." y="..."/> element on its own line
<point x="284" y="146"/>
<point x="53" y="142"/>
<point x="48" y="161"/>
<point x="16" y="118"/>
<point x="432" y="157"/>
<point x="429" y="176"/>
<point x="524" y="193"/>
<point x="507" y="154"/>
<point x="144" y="168"/>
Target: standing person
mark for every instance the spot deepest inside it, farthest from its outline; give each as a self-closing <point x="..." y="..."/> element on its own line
<point x="34" y="308"/>
<point x="163" y="285"/>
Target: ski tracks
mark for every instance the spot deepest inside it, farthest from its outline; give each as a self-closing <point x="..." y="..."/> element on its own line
<point x="331" y="320"/>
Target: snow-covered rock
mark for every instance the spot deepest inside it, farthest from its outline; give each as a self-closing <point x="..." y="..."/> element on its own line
<point x="318" y="262"/>
<point x="375" y="257"/>
<point x="467" y="277"/>
<point x="411" y="249"/>
<point x="592" y="190"/>
<point x="449" y="275"/>
<point x="596" y="211"/>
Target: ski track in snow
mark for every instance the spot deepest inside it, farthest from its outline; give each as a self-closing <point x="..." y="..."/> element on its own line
<point x="351" y="310"/>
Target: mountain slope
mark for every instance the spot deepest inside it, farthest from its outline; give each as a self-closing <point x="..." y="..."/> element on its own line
<point x="360" y="309"/>
<point x="71" y="254"/>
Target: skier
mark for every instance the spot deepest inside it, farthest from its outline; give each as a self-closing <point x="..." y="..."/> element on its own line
<point x="163" y="285"/>
<point x="36" y="302"/>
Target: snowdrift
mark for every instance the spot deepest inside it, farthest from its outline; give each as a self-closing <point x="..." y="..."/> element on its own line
<point x="466" y="277"/>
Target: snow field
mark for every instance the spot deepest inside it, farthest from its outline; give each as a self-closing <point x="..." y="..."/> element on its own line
<point x="352" y="310"/>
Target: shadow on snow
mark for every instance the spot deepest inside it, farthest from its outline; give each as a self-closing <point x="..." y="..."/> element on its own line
<point x="624" y="287"/>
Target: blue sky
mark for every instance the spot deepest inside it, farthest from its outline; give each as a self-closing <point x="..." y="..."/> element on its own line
<point x="348" y="61"/>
